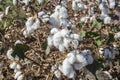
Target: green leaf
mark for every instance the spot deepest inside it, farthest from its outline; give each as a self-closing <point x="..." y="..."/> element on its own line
<point x="83" y="33"/>
<point x="98" y="42"/>
<point x="47" y="51"/>
<point x="19" y="50"/>
<point x="96" y="24"/>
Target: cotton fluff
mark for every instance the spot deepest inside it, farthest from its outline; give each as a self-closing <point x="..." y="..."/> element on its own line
<point x="26" y="2"/>
<point x="61" y="47"/>
<point x="17" y="74"/>
<point x="84" y="19"/>
<point x="54" y="30"/>
<point x="111" y="3"/>
<point x="67" y="69"/>
<point x="21" y="77"/>
<point x="13" y="65"/>
<point x="76" y="37"/>
<point x="107" y="20"/>
<point x="101" y="50"/>
<point x="50" y="40"/>
<point x="43" y="16"/>
<point x="75" y="44"/>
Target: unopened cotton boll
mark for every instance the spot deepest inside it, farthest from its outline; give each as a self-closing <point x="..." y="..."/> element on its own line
<point x="57" y="74"/>
<point x="111" y="3"/>
<point x="13" y="65"/>
<point x="71" y="57"/>
<point x="7" y="10"/>
<point x="67" y="69"/>
<point x="9" y="52"/>
<point x="107" y="20"/>
<point x="21" y="77"/>
<point x="17" y="74"/>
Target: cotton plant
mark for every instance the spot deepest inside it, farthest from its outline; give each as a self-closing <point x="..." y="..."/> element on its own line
<point x="74" y="61"/>
<point x="43" y="16"/>
<point x="31" y="24"/>
<point x="61" y="39"/>
<point x="15" y="63"/>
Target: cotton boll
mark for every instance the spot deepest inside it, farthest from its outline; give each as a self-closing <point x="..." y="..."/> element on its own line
<point x="54" y="30"/>
<point x="18" y="66"/>
<point x="25" y="33"/>
<point x="74" y="5"/>
<point x="15" y="2"/>
<point x="54" y="20"/>
<point x="75" y="43"/>
<point x="29" y="22"/>
<point x="50" y="41"/>
<point x="36" y="24"/>
<point x="21" y="77"/>
<point x="18" y="42"/>
<point x="57" y="74"/>
<point x="81" y="59"/>
<point x="63" y="22"/>
<point x="81" y="6"/>
<point x="40" y="14"/>
<point x="107" y="20"/>
<point x="64" y="3"/>
<point x="57" y="8"/>
<point x="9" y="52"/>
<point x="66" y="42"/>
<point x="63" y="15"/>
<point x="45" y="16"/>
<point x="101" y="50"/>
<point x="117" y="35"/>
<point x="89" y="59"/>
<point x="13" y="65"/>
<point x="45" y="20"/>
<point x="63" y="10"/>
<point x="65" y="32"/>
<point x="84" y="19"/>
<point x="76" y="37"/>
<point x="17" y="74"/>
<point x="61" y="48"/>
<point x="71" y="57"/>
<point x="40" y="1"/>
<point x="78" y="66"/>
<point x="1" y="16"/>
<point x="7" y="10"/>
<point x="26" y="2"/>
<point x="67" y="69"/>
<point x="111" y="3"/>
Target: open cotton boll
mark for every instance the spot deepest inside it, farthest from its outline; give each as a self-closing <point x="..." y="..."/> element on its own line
<point x="64" y="32"/>
<point x="76" y="37"/>
<point x="64" y="3"/>
<point x="40" y="1"/>
<point x="71" y="57"/>
<point x="18" y="42"/>
<point x="82" y="6"/>
<point x="36" y="24"/>
<point x="17" y="74"/>
<point x="107" y="20"/>
<point x="81" y="59"/>
<point x="29" y="22"/>
<point x="89" y="59"/>
<point x="54" y="30"/>
<point x="67" y="69"/>
<point x="18" y="66"/>
<point x="61" y="48"/>
<point x="7" y="10"/>
<point x="101" y="50"/>
<point x="117" y="35"/>
<point x="112" y="4"/>
<point x="15" y="2"/>
<point x="50" y="40"/>
<point x="45" y="20"/>
<point x="57" y="8"/>
<point x="58" y="74"/>
<point x="78" y="66"/>
<point x="66" y="42"/>
<point x="21" y="77"/>
<point x="9" y="52"/>
<point x="54" y="20"/>
<point x="40" y="14"/>
<point x="84" y="19"/>
<point x="74" y="5"/>
<point x="26" y="2"/>
<point x="75" y="43"/>
<point x="13" y="65"/>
